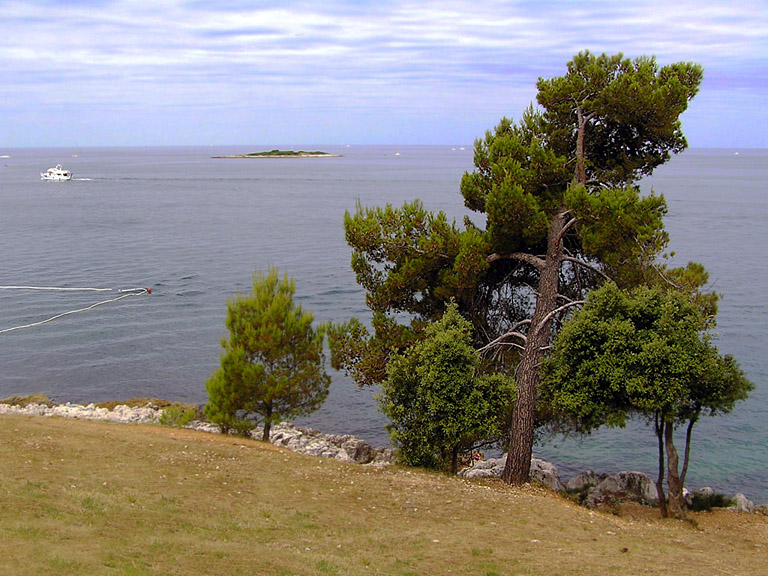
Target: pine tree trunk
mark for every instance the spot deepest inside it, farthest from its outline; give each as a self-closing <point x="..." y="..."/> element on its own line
<point x="675" y="502"/>
<point x="267" y="424"/>
<point x="581" y="169"/>
<point x="518" y="466"/>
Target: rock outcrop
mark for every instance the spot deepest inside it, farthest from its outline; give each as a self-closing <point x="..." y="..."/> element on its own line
<point x="743" y="504"/>
<point x="542" y="472"/>
<point x="624" y="486"/>
<point x="585" y="480"/>
<point x="121" y="413"/>
<point x="599" y="489"/>
<point x="345" y="448"/>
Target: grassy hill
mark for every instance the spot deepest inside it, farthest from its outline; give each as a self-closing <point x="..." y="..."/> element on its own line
<point x="85" y="498"/>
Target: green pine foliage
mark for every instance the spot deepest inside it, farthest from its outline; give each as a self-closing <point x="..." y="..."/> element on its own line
<point x="411" y="263"/>
<point x="439" y="404"/>
<point x="629" y="110"/>
<point x="272" y="364"/>
<point x="557" y="194"/>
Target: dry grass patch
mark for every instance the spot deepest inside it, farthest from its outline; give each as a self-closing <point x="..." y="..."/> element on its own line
<point x="82" y="497"/>
<point x="23" y="401"/>
<point x="142" y="402"/>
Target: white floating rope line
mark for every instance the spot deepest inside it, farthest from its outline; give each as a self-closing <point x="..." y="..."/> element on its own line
<point x="62" y="289"/>
<point x="56" y="288"/>
<point x="127" y="293"/>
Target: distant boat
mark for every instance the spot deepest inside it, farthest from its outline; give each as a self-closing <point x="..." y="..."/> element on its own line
<point x="56" y="174"/>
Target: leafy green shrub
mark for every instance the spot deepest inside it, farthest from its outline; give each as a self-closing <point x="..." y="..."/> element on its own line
<point x="438" y="403"/>
<point x="705" y="502"/>
<point x="177" y="416"/>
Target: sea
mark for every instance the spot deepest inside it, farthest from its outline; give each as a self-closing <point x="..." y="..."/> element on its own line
<point x="193" y="229"/>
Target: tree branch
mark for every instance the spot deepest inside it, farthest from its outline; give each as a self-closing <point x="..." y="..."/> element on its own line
<point x="657" y="424"/>
<point x="568" y="226"/>
<point x="534" y="261"/>
<point x="513" y="331"/>
<point x="512" y="344"/>
<point x="688" y="432"/>
<point x="587" y="265"/>
<point x="508" y="334"/>
<point x="498" y="340"/>
<point x="659" y="270"/>
<point x="556" y="311"/>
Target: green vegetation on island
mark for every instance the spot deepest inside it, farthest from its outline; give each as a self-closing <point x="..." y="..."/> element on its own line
<point x="284" y="154"/>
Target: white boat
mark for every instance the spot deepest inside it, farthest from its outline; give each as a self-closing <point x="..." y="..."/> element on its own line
<point x="57" y="174"/>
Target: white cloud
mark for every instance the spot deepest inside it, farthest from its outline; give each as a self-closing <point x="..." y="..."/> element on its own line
<point x="148" y="57"/>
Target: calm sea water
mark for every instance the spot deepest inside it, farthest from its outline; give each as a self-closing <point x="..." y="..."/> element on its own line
<point x="193" y="229"/>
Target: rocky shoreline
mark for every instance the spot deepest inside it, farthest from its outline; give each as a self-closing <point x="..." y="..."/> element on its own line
<point x="344" y="448"/>
<point x="594" y="490"/>
<point x="603" y="490"/>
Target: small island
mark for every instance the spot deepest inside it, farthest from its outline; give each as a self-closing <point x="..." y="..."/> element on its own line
<point x="284" y="154"/>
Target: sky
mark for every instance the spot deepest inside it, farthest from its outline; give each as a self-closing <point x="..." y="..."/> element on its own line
<point x="236" y="72"/>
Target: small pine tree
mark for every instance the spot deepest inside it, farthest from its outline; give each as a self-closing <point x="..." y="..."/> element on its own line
<point x="273" y="364"/>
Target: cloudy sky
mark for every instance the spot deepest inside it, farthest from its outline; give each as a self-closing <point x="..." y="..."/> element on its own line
<point x="169" y="72"/>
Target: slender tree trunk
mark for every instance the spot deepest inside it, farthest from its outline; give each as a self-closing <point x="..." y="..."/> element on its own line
<point x="267" y="424"/>
<point x="676" y="503"/>
<point x="455" y="460"/>
<point x="518" y="466"/>
<point x="687" y="455"/>
<point x="658" y="426"/>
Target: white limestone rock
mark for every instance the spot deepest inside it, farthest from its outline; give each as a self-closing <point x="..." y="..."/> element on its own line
<point x="632" y="486"/>
<point x="542" y="472"/>
<point x="743" y="504"/>
<point x="585" y="480"/>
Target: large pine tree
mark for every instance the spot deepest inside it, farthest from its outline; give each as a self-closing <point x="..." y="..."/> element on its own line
<point x="558" y="191"/>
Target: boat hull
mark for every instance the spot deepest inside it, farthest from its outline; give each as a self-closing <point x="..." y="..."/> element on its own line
<point x="57" y="174"/>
